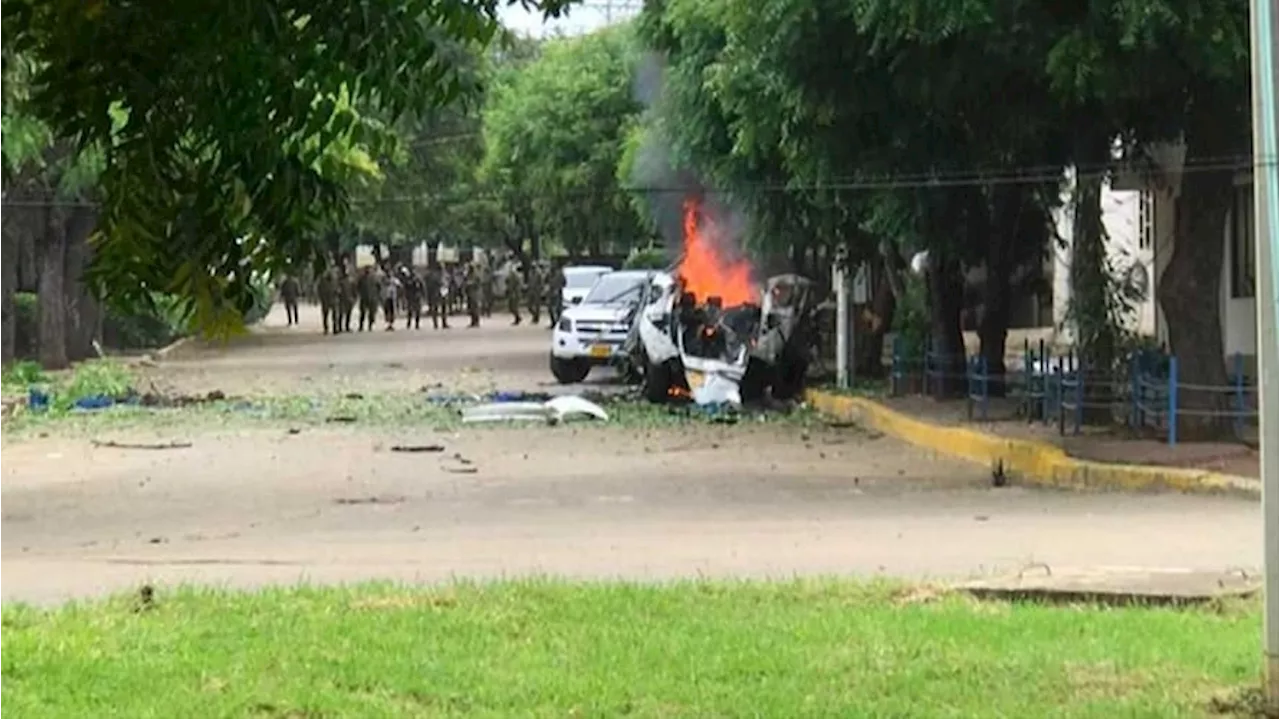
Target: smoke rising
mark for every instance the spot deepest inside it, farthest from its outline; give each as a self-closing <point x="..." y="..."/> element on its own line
<point x="668" y="185"/>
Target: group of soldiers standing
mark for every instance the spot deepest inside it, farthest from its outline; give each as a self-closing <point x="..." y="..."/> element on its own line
<point x="472" y="287"/>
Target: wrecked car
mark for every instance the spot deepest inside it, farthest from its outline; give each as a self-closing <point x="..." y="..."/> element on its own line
<point x="685" y="349"/>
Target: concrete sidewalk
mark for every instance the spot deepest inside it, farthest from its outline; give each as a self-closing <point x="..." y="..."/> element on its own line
<point x="1029" y="460"/>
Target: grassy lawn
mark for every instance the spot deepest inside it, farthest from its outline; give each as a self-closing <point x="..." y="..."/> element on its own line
<point x="540" y="648"/>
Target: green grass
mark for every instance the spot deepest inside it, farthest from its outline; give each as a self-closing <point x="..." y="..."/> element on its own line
<point x="368" y="410"/>
<point x="86" y="379"/>
<point x="550" y="649"/>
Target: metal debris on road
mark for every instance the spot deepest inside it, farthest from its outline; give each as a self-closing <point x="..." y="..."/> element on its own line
<point x="112" y="444"/>
<point x="417" y="448"/>
<point x="552" y="411"/>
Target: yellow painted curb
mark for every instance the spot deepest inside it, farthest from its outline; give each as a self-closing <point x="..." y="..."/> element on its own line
<point x="1027" y="460"/>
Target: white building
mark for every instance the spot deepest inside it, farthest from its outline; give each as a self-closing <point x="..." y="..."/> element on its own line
<point x="1138" y="214"/>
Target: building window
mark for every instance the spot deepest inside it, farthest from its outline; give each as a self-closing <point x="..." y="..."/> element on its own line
<point x="1242" y="259"/>
<point x="1146" y="220"/>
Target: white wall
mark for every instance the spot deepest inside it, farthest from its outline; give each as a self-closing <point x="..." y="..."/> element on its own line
<point x="1120" y="217"/>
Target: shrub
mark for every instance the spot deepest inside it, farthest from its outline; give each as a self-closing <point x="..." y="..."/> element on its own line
<point x="649" y="258"/>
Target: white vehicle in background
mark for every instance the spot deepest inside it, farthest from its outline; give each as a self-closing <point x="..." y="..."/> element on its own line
<point x="591" y="332"/>
<point x="578" y="281"/>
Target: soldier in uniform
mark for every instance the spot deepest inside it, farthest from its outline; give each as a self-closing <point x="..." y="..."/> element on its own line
<point x="515" y="293"/>
<point x="413" y="289"/>
<point x="346" y="300"/>
<point x="536" y="292"/>
<point x="471" y="284"/>
<point x="327" y="292"/>
<point x="390" y="297"/>
<point x="487" y="278"/>
<point x="434" y="287"/>
<point x="555" y="294"/>
<point x="367" y="293"/>
<point x="289" y="291"/>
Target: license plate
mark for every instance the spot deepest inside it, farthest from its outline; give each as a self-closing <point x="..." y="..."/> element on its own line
<point x="600" y="351"/>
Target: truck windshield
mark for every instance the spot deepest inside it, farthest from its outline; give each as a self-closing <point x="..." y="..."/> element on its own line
<point x="615" y="289"/>
<point x="581" y="279"/>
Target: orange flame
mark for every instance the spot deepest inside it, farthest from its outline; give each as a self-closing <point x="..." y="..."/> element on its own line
<point x="705" y="271"/>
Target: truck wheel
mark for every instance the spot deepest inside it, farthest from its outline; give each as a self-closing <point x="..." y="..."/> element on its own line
<point x="657" y="380"/>
<point x="660" y="378"/>
<point x="569" y="371"/>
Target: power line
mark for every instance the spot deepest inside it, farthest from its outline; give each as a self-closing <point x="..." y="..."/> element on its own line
<point x="1027" y="175"/>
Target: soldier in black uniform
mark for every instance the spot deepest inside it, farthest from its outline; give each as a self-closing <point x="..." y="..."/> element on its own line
<point x="413" y="289"/>
<point x="435" y="287"/>
<point x="327" y="291"/>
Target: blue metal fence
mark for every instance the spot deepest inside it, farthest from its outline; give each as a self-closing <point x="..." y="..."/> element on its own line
<point x="1149" y="394"/>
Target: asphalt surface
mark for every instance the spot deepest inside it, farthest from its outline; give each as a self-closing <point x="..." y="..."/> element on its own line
<point x="253" y="507"/>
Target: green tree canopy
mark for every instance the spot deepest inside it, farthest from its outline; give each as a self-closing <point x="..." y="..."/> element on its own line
<point x="226" y="165"/>
<point x="554" y="136"/>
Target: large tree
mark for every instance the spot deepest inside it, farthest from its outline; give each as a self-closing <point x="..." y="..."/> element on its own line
<point x="554" y="135"/>
<point x="224" y="168"/>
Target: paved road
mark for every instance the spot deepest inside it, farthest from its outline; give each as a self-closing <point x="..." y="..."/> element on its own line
<point x="264" y="506"/>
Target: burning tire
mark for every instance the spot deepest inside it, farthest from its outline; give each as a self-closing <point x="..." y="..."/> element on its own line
<point x="665" y="381"/>
<point x="569" y="371"/>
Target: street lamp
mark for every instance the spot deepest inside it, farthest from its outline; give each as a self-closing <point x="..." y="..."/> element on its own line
<point x="1264" y="29"/>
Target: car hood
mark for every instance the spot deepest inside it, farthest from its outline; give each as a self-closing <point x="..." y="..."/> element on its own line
<point x="597" y="313"/>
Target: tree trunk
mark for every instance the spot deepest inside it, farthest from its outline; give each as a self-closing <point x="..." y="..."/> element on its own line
<point x="1189" y="290"/>
<point x="84" y="315"/>
<point x="946" y="297"/>
<point x="993" y="325"/>
<point x="877" y="321"/>
<point x="1090" y="312"/>
<point x="9" y="284"/>
<point x="51" y="297"/>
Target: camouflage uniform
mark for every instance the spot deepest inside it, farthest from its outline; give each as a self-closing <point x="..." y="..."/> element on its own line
<point x="346" y="301"/>
<point x="535" y="293"/>
<point x="367" y="291"/>
<point x="327" y="291"/>
<point x="434" y="287"/>
<point x="555" y="294"/>
<point x="289" y="291"/>
<point x="471" y="285"/>
<point x="515" y="294"/>
<point x="413" y="289"/>
<point x="488" y="279"/>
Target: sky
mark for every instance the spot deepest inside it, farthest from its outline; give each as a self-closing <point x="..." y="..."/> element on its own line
<point x="582" y="17"/>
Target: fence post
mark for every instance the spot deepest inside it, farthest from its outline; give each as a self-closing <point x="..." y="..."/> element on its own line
<point x="1135" y="391"/>
<point x="986" y="386"/>
<point x="1173" y="400"/>
<point x="1239" y="401"/>
<point x="928" y="361"/>
<point x="970" y="370"/>
<point x="1062" y="406"/>
<point x="1079" y="413"/>
<point x="895" y="365"/>
<point x="1028" y="392"/>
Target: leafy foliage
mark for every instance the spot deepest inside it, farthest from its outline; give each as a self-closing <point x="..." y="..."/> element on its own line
<point x="554" y="134"/>
<point x="244" y="122"/>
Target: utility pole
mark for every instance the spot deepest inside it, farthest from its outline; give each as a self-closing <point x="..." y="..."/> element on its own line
<point x="844" y="338"/>
<point x="1264" y="31"/>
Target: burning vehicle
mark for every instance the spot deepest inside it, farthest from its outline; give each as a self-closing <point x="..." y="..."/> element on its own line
<point x="707" y="333"/>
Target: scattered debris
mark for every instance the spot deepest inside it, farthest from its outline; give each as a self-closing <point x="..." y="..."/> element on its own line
<point x="388" y="499"/>
<point x="146" y="598"/>
<point x="157" y="540"/>
<point x="343" y="418"/>
<point x="417" y="448"/>
<point x="112" y="444"/>
<point x="552" y="411"/>
<point x="461" y="470"/>
<point x="353" y="395"/>
<point x="294" y="430"/>
<point x="998" y="477"/>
